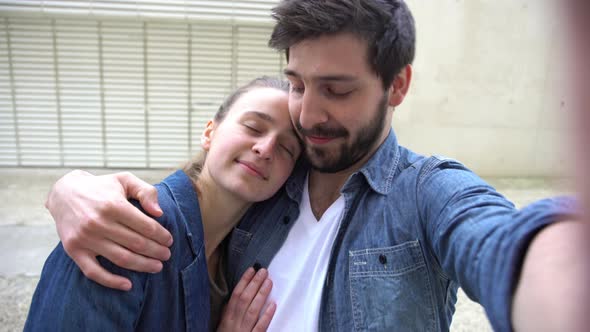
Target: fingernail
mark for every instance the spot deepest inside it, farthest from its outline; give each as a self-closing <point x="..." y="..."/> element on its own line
<point x="262" y="274"/>
<point x="157" y="267"/>
<point x="126" y="285"/>
<point x="271" y="306"/>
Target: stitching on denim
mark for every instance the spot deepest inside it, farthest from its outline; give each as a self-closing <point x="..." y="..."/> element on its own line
<point x="396" y="273"/>
<point x="392" y="172"/>
<point x="399" y="247"/>
<point x="242" y="233"/>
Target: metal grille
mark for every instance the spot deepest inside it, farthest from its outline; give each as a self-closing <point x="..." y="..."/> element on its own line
<point x="133" y="92"/>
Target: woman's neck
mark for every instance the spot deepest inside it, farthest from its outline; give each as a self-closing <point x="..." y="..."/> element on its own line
<point x="220" y="212"/>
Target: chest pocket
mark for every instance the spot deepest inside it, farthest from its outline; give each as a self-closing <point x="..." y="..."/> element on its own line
<point x="390" y="289"/>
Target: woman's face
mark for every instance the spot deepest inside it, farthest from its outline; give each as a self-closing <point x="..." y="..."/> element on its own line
<point x="253" y="150"/>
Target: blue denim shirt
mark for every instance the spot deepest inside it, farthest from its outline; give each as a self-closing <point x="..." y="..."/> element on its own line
<point x="176" y="299"/>
<point x="414" y="229"/>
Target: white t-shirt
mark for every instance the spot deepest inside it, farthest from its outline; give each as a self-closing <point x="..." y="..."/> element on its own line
<point x="299" y="269"/>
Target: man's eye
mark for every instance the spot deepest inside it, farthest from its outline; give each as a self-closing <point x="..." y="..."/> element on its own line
<point x="337" y="93"/>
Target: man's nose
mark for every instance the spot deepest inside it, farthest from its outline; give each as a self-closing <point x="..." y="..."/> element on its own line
<point x="311" y="112"/>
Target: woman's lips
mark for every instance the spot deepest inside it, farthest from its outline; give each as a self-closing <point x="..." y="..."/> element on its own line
<point x="253" y="169"/>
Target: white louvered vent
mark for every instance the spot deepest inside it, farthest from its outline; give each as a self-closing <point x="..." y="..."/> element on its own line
<point x="211" y="71"/>
<point x="36" y="93"/>
<point x="9" y="145"/>
<point x="79" y="74"/>
<point x="122" y="83"/>
<point x="190" y="10"/>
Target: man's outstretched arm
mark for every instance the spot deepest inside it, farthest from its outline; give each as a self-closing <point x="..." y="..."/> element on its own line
<point x="94" y="218"/>
<point x="553" y="293"/>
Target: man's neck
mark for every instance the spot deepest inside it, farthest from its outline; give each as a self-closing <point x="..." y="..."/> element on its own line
<point x="324" y="188"/>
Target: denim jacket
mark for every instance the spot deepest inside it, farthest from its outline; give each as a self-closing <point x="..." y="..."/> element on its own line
<point x="413" y="230"/>
<point x="176" y="299"/>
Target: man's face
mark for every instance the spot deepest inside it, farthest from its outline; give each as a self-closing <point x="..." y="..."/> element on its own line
<point x="337" y="104"/>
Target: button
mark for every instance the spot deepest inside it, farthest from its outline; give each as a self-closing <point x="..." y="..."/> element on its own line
<point x="257" y="266"/>
<point x="383" y="259"/>
<point x="286" y="220"/>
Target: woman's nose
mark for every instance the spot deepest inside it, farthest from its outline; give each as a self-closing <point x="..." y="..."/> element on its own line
<point x="265" y="147"/>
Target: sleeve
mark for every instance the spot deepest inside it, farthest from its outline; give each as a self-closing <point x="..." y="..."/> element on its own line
<point x="65" y="300"/>
<point x="477" y="235"/>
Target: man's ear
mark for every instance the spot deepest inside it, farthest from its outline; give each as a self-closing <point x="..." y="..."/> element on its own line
<point x="400" y="86"/>
<point x="207" y="135"/>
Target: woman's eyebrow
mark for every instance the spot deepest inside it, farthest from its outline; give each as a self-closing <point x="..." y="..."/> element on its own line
<point x="260" y="115"/>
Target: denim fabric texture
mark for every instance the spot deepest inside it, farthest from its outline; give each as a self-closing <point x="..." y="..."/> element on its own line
<point x="176" y="299"/>
<point x="414" y="229"/>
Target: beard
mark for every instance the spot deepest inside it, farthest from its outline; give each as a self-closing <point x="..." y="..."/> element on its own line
<point x="342" y="157"/>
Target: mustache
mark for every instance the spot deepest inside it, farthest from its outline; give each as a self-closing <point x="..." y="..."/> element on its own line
<point x="321" y="131"/>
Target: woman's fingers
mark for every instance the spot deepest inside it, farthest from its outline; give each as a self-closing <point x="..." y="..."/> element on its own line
<point x="252" y="313"/>
<point x="264" y="321"/>
<point x="245" y="310"/>
<point x="247" y="296"/>
<point x="231" y="307"/>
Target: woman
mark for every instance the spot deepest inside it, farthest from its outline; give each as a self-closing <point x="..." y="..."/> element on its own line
<point x="250" y="150"/>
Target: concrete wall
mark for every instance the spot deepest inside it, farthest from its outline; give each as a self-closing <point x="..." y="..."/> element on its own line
<point x="487" y="86"/>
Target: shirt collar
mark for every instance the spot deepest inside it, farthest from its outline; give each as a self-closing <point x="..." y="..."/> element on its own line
<point x="380" y="170"/>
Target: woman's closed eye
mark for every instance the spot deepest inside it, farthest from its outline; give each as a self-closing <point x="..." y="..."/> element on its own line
<point x="297" y="89"/>
<point x="288" y="150"/>
<point x="252" y="128"/>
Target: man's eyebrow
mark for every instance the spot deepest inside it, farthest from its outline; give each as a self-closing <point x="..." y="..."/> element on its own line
<point x="261" y="115"/>
<point x="339" y="78"/>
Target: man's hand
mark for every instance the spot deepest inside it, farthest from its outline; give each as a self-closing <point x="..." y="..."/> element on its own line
<point x="243" y="311"/>
<point x="94" y="218"/>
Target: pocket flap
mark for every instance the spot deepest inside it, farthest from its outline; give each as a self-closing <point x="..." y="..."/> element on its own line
<point x="394" y="260"/>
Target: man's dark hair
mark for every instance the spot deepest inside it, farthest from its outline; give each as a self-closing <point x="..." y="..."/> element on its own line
<point x="387" y="26"/>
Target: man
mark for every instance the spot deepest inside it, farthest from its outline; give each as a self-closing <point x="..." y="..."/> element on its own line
<point x="368" y="235"/>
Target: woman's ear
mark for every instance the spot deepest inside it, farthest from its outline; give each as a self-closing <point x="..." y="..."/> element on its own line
<point x="207" y="135"/>
<point x="400" y="86"/>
